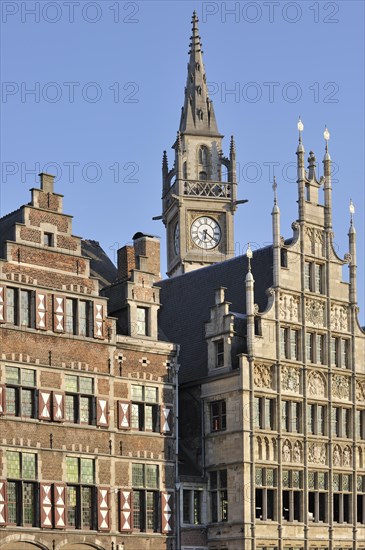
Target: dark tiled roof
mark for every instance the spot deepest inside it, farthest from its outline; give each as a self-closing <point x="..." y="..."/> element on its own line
<point x="101" y="265"/>
<point x="186" y="302"/>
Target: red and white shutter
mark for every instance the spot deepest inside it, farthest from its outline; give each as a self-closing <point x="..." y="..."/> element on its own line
<point x="102" y="412"/>
<point x="166" y="419"/>
<point x="2" y="304"/>
<point x="44" y="404"/>
<point x="41" y="310"/>
<point x="103" y="509"/>
<point x="58" y="406"/>
<point x="125" y="510"/>
<point x="3" y="503"/>
<point x="46" y="505"/>
<point x="58" y="313"/>
<point x="167" y="523"/>
<point x="124" y="415"/>
<point x="2" y="399"/>
<point x="59" y="503"/>
<point x="98" y="320"/>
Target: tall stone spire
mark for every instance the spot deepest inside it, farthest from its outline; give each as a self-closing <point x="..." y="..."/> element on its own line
<point x="197" y="115"/>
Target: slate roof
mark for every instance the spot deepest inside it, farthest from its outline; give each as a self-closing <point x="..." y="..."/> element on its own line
<point x="186" y="301"/>
<point x="101" y="265"/>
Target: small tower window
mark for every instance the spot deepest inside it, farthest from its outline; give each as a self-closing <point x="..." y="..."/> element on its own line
<point x="48" y="239"/>
<point x="203" y="156"/>
<point x="307" y="192"/>
<point x="203" y="176"/>
<point x="142" y="321"/>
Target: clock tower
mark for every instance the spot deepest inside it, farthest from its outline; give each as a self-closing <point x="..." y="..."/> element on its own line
<point x="199" y="191"/>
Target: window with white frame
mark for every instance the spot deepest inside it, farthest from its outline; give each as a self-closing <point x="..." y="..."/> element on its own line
<point x="20" y="392"/>
<point x="80" y="475"/>
<point x="144" y="409"/>
<point x="22" y="488"/>
<point x="192" y="506"/>
<point x="79" y="399"/>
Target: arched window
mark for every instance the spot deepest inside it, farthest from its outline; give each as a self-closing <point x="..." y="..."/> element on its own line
<point x="203" y="176"/>
<point x="203" y="156"/>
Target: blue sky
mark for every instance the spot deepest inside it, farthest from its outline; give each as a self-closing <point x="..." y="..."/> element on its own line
<point x="108" y="80"/>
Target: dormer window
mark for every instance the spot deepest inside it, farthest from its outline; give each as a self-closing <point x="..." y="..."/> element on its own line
<point x="48" y="239"/>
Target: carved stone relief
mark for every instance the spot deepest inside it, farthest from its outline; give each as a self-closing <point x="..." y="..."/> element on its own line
<point x="286" y="451"/>
<point x="314" y="240"/>
<point x="317" y="453"/>
<point x="290" y="379"/>
<point x="316" y="384"/>
<point x="360" y="390"/>
<point x="298" y="452"/>
<point x="288" y="306"/>
<point x="341" y="387"/>
<point x="339" y="318"/>
<point x="315" y="312"/>
<point x="263" y="376"/>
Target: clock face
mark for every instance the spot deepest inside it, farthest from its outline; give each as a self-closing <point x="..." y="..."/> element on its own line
<point x="206" y="233"/>
<point x="177" y="238"/>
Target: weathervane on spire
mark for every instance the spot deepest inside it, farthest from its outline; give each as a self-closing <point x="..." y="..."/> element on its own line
<point x="249" y="256"/>
<point x="352" y="211"/>
<point x="326" y="136"/>
<point x="275" y="187"/>
<point x="300" y="127"/>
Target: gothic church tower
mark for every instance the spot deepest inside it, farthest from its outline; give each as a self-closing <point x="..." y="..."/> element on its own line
<point x="199" y="192"/>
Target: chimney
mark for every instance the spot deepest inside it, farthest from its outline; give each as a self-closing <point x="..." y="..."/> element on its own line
<point x="126" y="261"/>
<point x="147" y="252"/>
<point x="47" y="182"/>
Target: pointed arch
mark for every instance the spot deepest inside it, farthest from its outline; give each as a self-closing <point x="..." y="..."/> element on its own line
<point x="259" y="448"/>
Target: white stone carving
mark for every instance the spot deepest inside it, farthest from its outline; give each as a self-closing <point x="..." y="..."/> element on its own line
<point x="262" y="376"/>
<point x="339" y="318"/>
<point x="337" y="456"/>
<point x="316" y="384"/>
<point x="315" y="312"/>
<point x="286" y="452"/>
<point x="289" y="307"/>
<point x="360" y="390"/>
<point x="290" y="379"/>
<point x="317" y="453"/>
<point x="347" y="456"/>
<point x="341" y="387"/>
<point x="297" y="452"/>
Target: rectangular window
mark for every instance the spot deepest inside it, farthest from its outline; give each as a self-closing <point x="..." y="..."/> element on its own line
<point x="22" y="493"/>
<point x="145" y="481"/>
<point x="360" y="424"/>
<point x="344" y="353"/>
<point x="307" y="276"/>
<point x="317" y="497"/>
<point x="144" y="409"/>
<point x="20" y="392"/>
<point x="334" y="352"/>
<point x="218" y="415"/>
<point x="361" y="499"/>
<point x="320" y="349"/>
<point x="218" y="496"/>
<point x="142" y="326"/>
<point x="292" y="495"/>
<point x="80" y="475"/>
<point x="309" y="347"/>
<point x="341" y="422"/>
<point x="264" y="413"/>
<point x="79" y="400"/>
<point x="265" y="493"/>
<point x="219" y="353"/>
<point x="11" y="306"/>
<point x="71" y="308"/>
<point x="25" y="308"/>
<point x="192" y="506"/>
<point x="318" y="278"/>
<point x="291" y="416"/>
<point x="294" y="345"/>
<point x="48" y="239"/>
<point x="316" y="419"/>
<point x="342" y="498"/>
